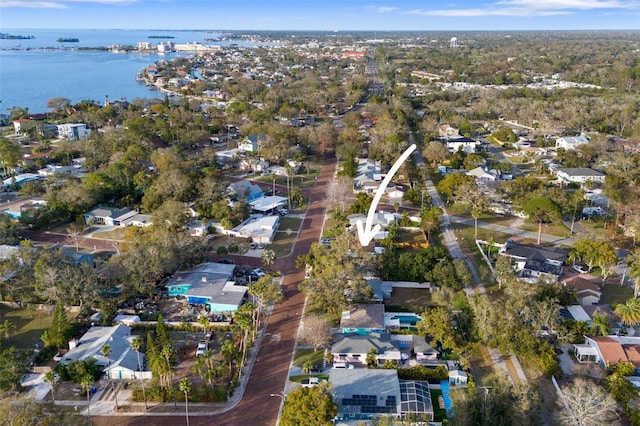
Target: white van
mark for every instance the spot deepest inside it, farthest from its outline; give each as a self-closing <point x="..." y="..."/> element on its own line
<point x="343" y="365"/>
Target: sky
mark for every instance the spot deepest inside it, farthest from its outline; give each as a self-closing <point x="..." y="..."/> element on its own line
<point x="329" y="15"/>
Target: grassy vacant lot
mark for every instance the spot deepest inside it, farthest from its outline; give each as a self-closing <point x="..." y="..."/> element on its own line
<point x="30" y="324"/>
<point x="413" y="299"/>
<point x="114" y="234"/>
<point x="557" y="229"/>
<point x="302" y="181"/>
<point x="283" y="243"/>
<point x="289" y="224"/>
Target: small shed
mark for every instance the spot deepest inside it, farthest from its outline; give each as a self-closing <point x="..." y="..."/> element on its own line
<point x="458" y="378"/>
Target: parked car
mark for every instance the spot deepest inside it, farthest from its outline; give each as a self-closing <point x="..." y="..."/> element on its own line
<point x="259" y="272"/>
<point x="311" y="381"/>
<point x="343" y="365"/>
<point x="253" y="246"/>
<point x="202" y="348"/>
<point x="283" y="212"/>
<point x="581" y="269"/>
<point x="226" y="261"/>
<point x="325" y="241"/>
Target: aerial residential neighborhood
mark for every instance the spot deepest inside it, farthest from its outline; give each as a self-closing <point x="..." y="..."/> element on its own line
<point x="199" y="256"/>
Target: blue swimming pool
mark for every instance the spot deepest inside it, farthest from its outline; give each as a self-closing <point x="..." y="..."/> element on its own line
<point x="444" y="386"/>
<point x="407" y="319"/>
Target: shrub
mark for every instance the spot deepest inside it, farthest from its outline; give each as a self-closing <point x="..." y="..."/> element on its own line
<point x="421" y="372"/>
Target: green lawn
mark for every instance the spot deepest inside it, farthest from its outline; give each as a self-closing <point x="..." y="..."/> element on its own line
<point x="304" y="355"/>
<point x="115" y="234"/>
<point x="557" y="229"/>
<point x="411" y="237"/>
<point x="439" y="414"/>
<point x="613" y="294"/>
<point x="289" y="224"/>
<point x="283" y="243"/>
<point x="30" y="324"/>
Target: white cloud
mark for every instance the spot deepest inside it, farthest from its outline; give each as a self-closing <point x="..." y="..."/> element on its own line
<point x="529" y="8"/>
<point x="57" y="4"/>
<point x="569" y="4"/>
<point x="386" y="9"/>
<point x="381" y="9"/>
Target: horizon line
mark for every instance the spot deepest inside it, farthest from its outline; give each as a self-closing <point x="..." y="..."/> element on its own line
<point x="328" y="31"/>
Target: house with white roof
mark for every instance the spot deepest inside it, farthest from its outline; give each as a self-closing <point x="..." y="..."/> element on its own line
<point x="74" y="131"/>
<point x="57" y="169"/>
<point x="258" y="228"/>
<point x="580" y="175"/>
<point x="463" y="144"/>
<point x="267" y="204"/>
<point x="571" y="142"/>
<point x="482" y="175"/>
<point x="120" y="363"/>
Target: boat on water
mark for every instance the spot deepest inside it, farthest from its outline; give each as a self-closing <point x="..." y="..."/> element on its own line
<point x="67" y="40"/>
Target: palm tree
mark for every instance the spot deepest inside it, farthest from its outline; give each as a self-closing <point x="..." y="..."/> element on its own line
<point x="136" y="344"/>
<point x="87" y="384"/>
<point x="53" y="379"/>
<point x="106" y="351"/>
<point x="600" y="324"/>
<point x="185" y="386"/>
<point x="204" y="321"/>
<point x="372" y="358"/>
<point x="167" y="354"/>
<point x="268" y="257"/>
<point x="629" y="312"/>
<point x="634" y="268"/>
<point x="6" y="329"/>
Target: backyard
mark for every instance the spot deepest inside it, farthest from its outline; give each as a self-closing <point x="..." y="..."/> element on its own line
<point x="30" y="323"/>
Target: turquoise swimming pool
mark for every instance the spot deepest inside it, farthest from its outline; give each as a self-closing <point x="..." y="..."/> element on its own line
<point x="444" y="386"/>
<point x="407" y="319"/>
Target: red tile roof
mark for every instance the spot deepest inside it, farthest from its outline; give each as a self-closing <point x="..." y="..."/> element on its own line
<point x="633" y="354"/>
<point x="612" y="351"/>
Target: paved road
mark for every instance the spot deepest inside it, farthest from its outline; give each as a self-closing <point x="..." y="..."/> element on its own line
<point x="270" y="370"/>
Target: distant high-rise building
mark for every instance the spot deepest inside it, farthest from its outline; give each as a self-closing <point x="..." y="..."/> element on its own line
<point x="453" y="42"/>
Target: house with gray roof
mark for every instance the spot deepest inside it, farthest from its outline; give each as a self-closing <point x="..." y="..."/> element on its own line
<point x="534" y="262"/>
<point x="353" y="348"/>
<point x="253" y="143"/>
<point x="210" y="284"/>
<point x="112" y="216"/>
<point x="122" y="361"/>
<point x="363" y="319"/>
<point x="363" y="394"/>
<point x="580" y="175"/>
<point x="245" y="190"/>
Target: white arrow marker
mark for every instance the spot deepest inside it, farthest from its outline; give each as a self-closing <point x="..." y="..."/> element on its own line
<point x="366" y="234"/>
